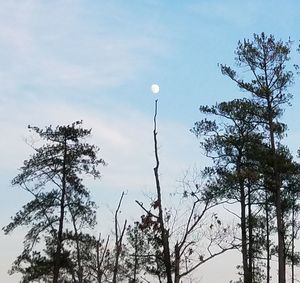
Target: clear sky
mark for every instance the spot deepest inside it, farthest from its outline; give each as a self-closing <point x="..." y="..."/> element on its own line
<point x="95" y="60"/>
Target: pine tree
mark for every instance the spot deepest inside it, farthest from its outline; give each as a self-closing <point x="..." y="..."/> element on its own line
<point x="52" y="176"/>
<point x="268" y="82"/>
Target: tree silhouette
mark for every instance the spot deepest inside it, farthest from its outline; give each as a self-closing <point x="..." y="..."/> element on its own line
<point x="61" y="206"/>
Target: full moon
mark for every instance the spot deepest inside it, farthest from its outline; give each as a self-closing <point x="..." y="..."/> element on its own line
<point x="155" y="88"/>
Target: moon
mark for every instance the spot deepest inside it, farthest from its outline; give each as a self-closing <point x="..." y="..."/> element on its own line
<point x="155" y="88"/>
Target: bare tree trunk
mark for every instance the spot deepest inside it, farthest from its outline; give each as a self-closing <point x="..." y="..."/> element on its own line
<point x="78" y="254"/>
<point x="246" y="273"/>
<point x="135" y="256"/>
<point x="61" y="218"/>
<point x="244" y="233"/>
<point x="277" y="193"/>
<point x="118" y="241"/>
<point x="250" y="238"/>
<point x="281" y="248"/>
<point x="267" y="236"/>
<point x="100" y="260"/>
<point x="164" y="231"/>
<point x="177" y="264"/>
<point x="293" y="240"/>
<point x="294" y="235"/>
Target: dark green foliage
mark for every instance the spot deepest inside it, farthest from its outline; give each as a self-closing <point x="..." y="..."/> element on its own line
<point x="250" y="163"/>
<point x="61" y="203"/>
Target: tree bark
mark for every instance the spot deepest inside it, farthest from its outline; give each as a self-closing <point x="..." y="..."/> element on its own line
<point x="118" y="241"/>
<point x="164" y="232"/>
<point x="243" y="225"/>
<point x="267" y="236"/>
<point x="281" y="248"/>
<point x="177" y="264"/>
<point x="61" y="218"/>
<point x="277" y="195"/>
<point x="250" y="238"/>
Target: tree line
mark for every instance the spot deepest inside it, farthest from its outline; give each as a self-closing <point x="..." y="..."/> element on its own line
<point x="253" y="175"/>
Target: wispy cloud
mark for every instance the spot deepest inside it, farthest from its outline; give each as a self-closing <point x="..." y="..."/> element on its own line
<point x="52" y="48"/>
<point x="123" y="134"/>
<point x="52" y="44"/>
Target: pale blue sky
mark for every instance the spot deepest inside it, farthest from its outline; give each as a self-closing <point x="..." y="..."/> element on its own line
<point x="96" y="60"/>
